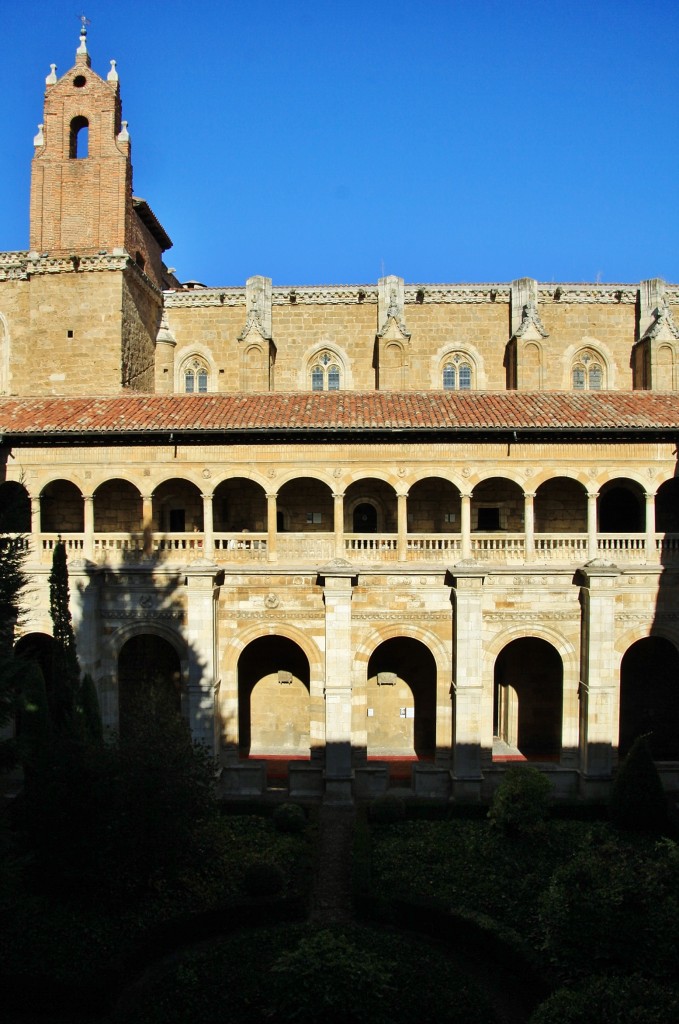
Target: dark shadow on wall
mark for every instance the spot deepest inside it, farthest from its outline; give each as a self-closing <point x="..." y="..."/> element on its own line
<point x="649" y="672"/>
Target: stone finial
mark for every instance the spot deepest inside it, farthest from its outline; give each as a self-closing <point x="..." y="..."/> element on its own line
<point x="258" y="298"/>
<point x="123" y="134"/>
<point x="39" y="139"/>
<point x="52" y="77"/>
<point x="391" y="303"/>
<point x="530" y="318"/>
<point x="81" y="54"/>
<point x="651" y="299"/>
<point x="112" y="76"/>
<point x="165" y="335"/>
<point x="664" y="323"/>
<point x="524" y="291"/>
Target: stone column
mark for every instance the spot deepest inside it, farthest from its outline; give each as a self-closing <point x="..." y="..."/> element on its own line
<point x="88" y="522"/>
<point x="651" y="554"/>
<point x="529" y="525"/>
<point x="466" y="525"/>
<point x="467" y="681"/>
<point x="35" y="528"/>
<point x="147" y="523"/>
<point x="201" y="640"/>
<point x="208" y="527"/>
<point x="271" y="527"/>
<point x="592" y="545"/>
<point x="402" y="511"/>
<point x="599" y="682"/>
<point x="338" y="516"/>
<point x="338" y="583"/>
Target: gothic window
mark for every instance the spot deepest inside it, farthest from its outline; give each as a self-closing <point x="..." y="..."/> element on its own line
<point x="457" y="373"/>
<point x="195" y="377"/>
<point x="587" y="372"/>
<point x="326" y="374"/>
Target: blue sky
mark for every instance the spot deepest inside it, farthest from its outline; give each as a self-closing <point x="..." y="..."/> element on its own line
<point x="321" y="143"/>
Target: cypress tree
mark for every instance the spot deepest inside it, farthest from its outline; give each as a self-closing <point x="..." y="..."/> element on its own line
<point x="66" y="670"/>
<point x="88" y="706"/>
<point x="12" y="583"/>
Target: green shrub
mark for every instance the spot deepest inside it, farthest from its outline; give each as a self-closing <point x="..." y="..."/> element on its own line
<point x="387" y="810"/>
<point x="610" y="1000"/>
<point x="638" y="801"/>
<point x="521" y="802"/>
<point x="262" y="878"/>
<point x="289" y="818"/>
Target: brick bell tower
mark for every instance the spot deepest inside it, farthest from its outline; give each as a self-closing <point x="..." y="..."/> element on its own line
<point x="81" y="176"/>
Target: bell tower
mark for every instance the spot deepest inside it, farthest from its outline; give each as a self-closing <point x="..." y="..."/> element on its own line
<point x="81" y="176"/>
<point x="81" y="180"/>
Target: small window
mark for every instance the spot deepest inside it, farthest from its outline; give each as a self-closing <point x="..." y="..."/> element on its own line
<point x="587" y="372"/>
<point x="314" y="517"/>
<point x="457" y="373"/>
<point x="326" y="374"/>
<point x="449" y="377"/>
<point x="196" y="377"/>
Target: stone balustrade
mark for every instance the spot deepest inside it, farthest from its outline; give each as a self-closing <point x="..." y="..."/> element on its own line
<point x="496" y="548"/>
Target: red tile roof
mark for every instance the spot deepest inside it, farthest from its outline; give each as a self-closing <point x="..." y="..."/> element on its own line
<point x="340" y="411"/>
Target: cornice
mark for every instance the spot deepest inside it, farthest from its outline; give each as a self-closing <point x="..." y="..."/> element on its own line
<point x="581" y="294"/>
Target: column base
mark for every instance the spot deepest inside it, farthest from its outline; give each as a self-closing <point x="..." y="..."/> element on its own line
<point x="338" y="789"/>
<point x="467" y="790"/>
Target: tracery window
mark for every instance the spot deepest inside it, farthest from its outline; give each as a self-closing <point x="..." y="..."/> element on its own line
<point x="196" y="377"/>
<point x="457" y="373"/>
<point x="326" y="374"/>
<point x="587" y="372"/>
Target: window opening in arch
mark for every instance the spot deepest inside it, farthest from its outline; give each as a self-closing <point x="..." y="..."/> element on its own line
<point x="326" y="374"/>
<point x="457" y="373"/>
<point x="587" y="373"/>
<point x="79" y="138"/>
<point x="196" y="378"/>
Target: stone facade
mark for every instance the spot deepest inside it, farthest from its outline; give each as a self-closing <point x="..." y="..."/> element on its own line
<point x="341" y="599"/>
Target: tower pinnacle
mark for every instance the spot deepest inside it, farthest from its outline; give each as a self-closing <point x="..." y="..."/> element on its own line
<point x="81" y="53"/>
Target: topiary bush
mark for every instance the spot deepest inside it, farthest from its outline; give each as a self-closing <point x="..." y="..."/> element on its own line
<point x="521" y="802"/>
<point x="263" y="879"/>
<point x="289" y="818"/>
<point x="638" y="802"/>
<point x="387" y="810"/>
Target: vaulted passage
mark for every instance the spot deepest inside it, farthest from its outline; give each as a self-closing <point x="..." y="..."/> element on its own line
<point x="401" y="711"/>
<point x="273" y="699"/>
<point x="529" y="698"/>
<point x="649" y="697"/>
<point x="148" y="666"/>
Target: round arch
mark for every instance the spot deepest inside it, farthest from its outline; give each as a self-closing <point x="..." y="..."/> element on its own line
<point x="528" y="699"/>
<point x="649" y="697"/>
<point x="274" y="698"/>
<point x="621" y="507"/>
<point x="401" y="692"/>
<point x="148" y="668"/>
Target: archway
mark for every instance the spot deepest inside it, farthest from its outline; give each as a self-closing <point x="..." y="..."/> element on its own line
<point x="528" y="704"/>
<point x="61" y="508"/>
<point x="15" y="508"/>
<point x="621" y="507"/>
<point x="273" y="699"/>
<point x="649" y="697"/>
<point x="401" y="711"/>
<point x="117" y="508"/>
<point x="148" y="665"/>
